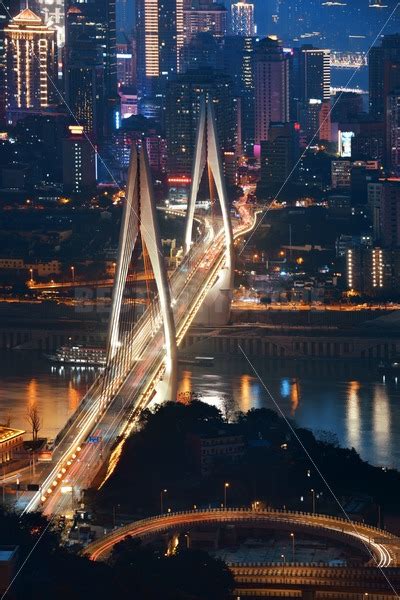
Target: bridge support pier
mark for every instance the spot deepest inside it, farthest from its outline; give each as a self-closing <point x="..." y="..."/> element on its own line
<point x="216" y="308"/>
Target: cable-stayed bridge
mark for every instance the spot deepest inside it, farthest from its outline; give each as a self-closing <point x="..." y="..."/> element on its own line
<point x="142" y="354"/>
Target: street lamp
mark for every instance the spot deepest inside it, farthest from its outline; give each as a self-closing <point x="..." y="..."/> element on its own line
<point x="31" y="272"/>
<point x="313" y="500"/>
<point x="293" y="545"/>
<point x="226" y="485"/>
<point x="73" y="273"/>
<point x="162" y="500"/>
<point x="283" y="557"/>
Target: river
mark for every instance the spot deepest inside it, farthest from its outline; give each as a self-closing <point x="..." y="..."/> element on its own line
<point x="347" y="399"/>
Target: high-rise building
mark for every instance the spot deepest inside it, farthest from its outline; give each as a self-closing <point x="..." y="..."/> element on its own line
<point x="30" y="58"/>
<point x="184" y="97"/>
<point x="383" y="76"/>
<point x="53" y="14"/>
<point x="393" y="132"/>
<point x="159" y="26"/>
<point x="384" y="201"/>
<point x="242" y="18"/>
<point x="315" y="121"/>
<point x="368" y="142"/>
<point x="346" y="106"/>
<point x="203" y="51"/>
<point x="238" y="52"/>
<point x="278" y="157"/>
<point x="84" y="72"/>
<point x="315" y="73"/>
<point x="126" y="61"/>
<point x="79" y="162"/>
<point x="8" y="9"/>
<point x="201" y="18"/>
<point x="271" y="86"/>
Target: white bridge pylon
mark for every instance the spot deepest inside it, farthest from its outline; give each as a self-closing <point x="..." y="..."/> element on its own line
<point x="207" y="152"/>
<point x="216" y="308"/>
<point x="139" y="215"/>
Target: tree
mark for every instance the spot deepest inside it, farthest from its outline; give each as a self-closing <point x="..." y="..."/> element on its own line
<point x="35" y="421"/>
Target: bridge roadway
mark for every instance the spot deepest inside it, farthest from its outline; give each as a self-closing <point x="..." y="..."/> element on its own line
<point x="382" y="546"/>
<point x="108" y="411"/>
<point x="298" y="580"/>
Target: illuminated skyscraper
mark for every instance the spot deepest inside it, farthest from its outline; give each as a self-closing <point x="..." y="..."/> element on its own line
<point x="159" y="44"/>
<point x="30" y="56"/>
<point x="79" y="162"/>
<point x="200" y="18"/>
<point x="8" y="9"/>
<point x="184" y="98"/>
<point x="393" y="132"/>
<point x="315" y="74"/>
<point x="242" y="18"/>
<point x="84" y="73"/>
<point x="53" y="12"/>
<point x="239" y="64"/>
<point x="271" y="87"/>
<point x="102" y="15"/>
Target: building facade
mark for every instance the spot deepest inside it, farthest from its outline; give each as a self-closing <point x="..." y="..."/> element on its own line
<point x="242" y="18"/>
<point x="271" y="87"/>
<point x="184" y="97"/>
<point x="30" y="58"/>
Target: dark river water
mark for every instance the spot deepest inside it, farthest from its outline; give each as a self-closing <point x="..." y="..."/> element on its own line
<point x="350" y="400"/>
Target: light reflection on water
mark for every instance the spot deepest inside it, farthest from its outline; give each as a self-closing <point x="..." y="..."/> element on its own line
<point x="28" y="379"/>
<point x="351" y="401"/>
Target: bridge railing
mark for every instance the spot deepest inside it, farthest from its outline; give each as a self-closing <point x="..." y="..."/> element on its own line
<point x="244" y="511"/>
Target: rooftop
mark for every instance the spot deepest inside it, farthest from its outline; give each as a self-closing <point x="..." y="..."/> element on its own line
<point x="7" y="433"/>
<point x="27" y="16"/>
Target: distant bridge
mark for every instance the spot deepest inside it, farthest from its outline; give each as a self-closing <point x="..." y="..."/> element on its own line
<point x="296" y="580"/>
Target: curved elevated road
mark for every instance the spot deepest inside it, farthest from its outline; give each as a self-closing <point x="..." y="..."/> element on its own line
<point x="383" y="546"/>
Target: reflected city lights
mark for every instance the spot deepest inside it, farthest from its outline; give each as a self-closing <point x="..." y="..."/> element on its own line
<point x="353" y="414"/>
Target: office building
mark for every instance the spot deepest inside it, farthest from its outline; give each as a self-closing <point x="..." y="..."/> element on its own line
<point x="373" y="271"/>
<point x="159" y="27"/>
<point x="314" y="73"/>
<point x="30" y="59"/>
<point x="79" y="162"/>
<point x="101" y="14"/>
<point x="314" y="117"/>
<point x="341" y="174"/>
<point x="84" y="70"/>
<point x="383" y="73"/>
<point x="204" y="18"/>
<point x="238" y="61"/>
<point x="126" y="61"/>
<point x="346" y="106"/>
<point x="8" y="9"/>
<point x="393" y="132"/>
<point x="53" y="14"/>
<point x="184" y="96"/>
<point x="242" y="18"/>
<point x="279" y="155"/>
<point x="271" y="87"/>
<point x="384" y="203"/>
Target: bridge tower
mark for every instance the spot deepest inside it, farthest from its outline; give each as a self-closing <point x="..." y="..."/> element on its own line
<point x="139" y="217"/>
<point x="216" y="308"/>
